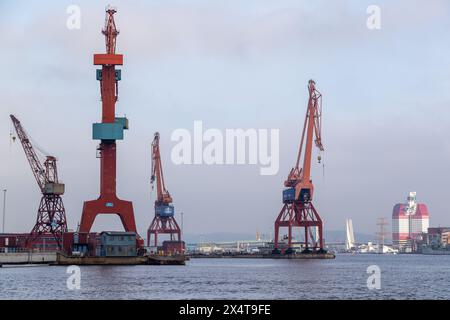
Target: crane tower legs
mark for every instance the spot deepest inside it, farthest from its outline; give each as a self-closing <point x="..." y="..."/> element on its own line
<point x="302" y="215"/>
<point x="163" y="225"/>
<point x="122" y="208"/>
<point x="51" y="218"/>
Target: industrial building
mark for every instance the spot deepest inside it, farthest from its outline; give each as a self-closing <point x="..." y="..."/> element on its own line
<point x="435" y="241"/>
<point x="117" y="244"/>
<point x="16" y="242"/>
<point x="409" y="221"/>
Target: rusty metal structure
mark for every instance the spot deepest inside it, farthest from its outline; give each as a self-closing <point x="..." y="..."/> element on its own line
<point x="164" y="221"/>
<point x="298" y="209"/>
<point x="51" y="217"/>
<point x="108" y="131"/>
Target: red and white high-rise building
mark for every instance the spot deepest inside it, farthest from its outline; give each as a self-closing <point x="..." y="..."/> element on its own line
<point x="409" y="221"/>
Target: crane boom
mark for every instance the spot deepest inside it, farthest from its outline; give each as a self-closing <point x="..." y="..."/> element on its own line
<point x="36" y="166"/>
<point x="163" y="196"/>
<point x="312" y="128"/>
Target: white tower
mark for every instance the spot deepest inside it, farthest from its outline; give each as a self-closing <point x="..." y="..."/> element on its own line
<point x="350" y="237"/>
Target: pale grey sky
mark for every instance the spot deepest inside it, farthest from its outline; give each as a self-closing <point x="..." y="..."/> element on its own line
<point x="234" y="64"/>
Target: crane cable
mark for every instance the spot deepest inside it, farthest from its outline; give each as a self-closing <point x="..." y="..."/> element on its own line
<point x="12" y="137"/>
<point x="323" y="166"/>
<point x="39" y="148"/>
<point x="41" y="151"/>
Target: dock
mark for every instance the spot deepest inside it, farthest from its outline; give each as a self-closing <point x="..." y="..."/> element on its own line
<point x="27" y="258"/>
<point x="63" y="259"/>
<point x="268" y="256"/>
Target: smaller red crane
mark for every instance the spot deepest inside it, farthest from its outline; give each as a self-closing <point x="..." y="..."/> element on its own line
<point x="298" y="210"/>
<point x="164" y="221"/>
<point x="51" y="216"/>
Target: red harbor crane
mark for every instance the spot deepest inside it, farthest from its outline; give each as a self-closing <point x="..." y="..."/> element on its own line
<point x="108" y="131"/>
<point x="298" y="210"/>
<point x="164" y="221"/>
<point x="51" y="217"/>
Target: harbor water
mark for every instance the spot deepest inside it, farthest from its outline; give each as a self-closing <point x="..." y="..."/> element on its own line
<point x="346" y="277"/>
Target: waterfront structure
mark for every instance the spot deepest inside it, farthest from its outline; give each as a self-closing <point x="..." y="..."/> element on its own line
<point x="438" y="237"/>
<point x="409" y="221"/>
<point x="118" y="244"/>
<point x="17" y="242"/>
<point x="298" y="209"/>
<point x="51" y="216"/>
<point x="108" y="131"/>
<point x="375" y="248"/>
<point x="164" y="221"/>
<point x="350" y="237"/>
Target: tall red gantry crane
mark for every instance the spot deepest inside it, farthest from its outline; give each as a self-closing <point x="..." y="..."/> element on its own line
<point x="298" y="210"/>
<point x="108" y="131"/>
<point x="51" y="217"/>
<point x="164" y="221"/>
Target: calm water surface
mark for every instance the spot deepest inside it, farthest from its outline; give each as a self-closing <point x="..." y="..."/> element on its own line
<point x="402" y="277"/>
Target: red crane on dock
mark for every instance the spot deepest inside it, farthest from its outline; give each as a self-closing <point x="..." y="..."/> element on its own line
<point x="108" y="131"/>
<point x="164" y="221"/>
<point x="298" y="210"/>
<point x="51" y="217"/>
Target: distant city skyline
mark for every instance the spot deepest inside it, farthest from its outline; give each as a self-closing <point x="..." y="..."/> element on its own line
<point x="233" y="64"/>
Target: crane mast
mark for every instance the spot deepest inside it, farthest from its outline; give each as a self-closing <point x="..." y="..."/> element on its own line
<point x="108" y="131"/>
<point x="164" y="221"/>
<point x="51" y="216"/>
<point x="110" y="31"/>
<point x="163" y="197"/>
<point x="300" y="178"/>
<point x="298" y="210"/>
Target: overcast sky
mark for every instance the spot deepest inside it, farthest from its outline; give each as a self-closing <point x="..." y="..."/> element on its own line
<point x="234" y="64"/>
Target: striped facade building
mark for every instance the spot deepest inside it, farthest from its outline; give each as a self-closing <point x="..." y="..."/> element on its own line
<point x="403" y="224"/>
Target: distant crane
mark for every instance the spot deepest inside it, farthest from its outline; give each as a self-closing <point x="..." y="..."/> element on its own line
<point x="298" y="210"/>
<point x="164" y="221"/>
<point x="51" y="217"/>
<point x="382" y="233"/>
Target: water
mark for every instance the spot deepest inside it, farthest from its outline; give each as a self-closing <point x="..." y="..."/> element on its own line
<point x="402" y="277"/>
